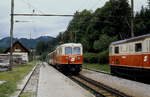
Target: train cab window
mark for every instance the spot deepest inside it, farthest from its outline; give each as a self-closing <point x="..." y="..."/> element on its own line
<point x="76" y="50"/>
<point x="117" y="50"/>
<point x="68" y="50"/>
<point x="138" y="47"/>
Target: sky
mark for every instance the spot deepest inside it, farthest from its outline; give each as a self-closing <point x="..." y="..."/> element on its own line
<point x="46" y="26"/>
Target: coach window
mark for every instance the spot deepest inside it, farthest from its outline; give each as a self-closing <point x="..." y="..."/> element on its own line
<point x="138" y="47"/>
<point x="68" y="50"/>
<point x="111" y="50"/>
<point x="117" y="50"/>
<point x="76" y="50"/>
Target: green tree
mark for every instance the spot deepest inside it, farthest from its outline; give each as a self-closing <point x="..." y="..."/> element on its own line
<point x="96" y="30"/>
<point x="142" y="22"/>
<point x="2" y="50"/>
<point x="41" y="47"/>
<point x="148" y="3"/>
<point x="103" y="43"/>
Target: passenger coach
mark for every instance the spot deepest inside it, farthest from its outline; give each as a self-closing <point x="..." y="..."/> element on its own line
<point x="67" y="58"/>
<point x="131" y="58"/>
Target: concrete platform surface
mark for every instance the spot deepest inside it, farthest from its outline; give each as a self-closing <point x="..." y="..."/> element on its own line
<point x="54" y="84"/>
<point x="131" y="88"/>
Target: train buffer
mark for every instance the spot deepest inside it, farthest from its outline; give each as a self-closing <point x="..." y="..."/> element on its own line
<point x="54" y="84"/>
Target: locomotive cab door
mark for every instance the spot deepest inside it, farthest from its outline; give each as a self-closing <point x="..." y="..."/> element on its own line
<point x="146" y="55"/>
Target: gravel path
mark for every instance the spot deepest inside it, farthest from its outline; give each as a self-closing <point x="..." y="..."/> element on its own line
<point x="32" y="86"/>
<point x="132" y="88"/>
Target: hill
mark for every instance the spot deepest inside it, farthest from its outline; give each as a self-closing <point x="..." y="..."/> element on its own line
<point x="29" y="43"/>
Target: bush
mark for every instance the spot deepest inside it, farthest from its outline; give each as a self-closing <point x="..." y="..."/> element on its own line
<point x="101" y="58"/>
<point x="90" y="58"/>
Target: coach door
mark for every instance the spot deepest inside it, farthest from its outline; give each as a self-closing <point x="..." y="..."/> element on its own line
<point x="137" y="58"/>
<point x="146" y="55"/>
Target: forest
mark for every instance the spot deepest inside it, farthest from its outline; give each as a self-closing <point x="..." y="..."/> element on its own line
<point x="97" y="29"/>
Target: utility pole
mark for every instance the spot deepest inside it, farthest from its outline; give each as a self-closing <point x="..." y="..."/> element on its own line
<point x="11" y="35"/>
<point x="132" y="18"/>
<point x="75" y="37"/>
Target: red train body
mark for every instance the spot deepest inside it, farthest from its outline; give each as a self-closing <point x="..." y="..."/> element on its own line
<point x="131" y="58"/>
<point x="67" y="58"/>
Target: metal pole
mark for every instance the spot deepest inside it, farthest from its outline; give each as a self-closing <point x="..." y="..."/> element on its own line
<point x="75" y="37"/>
<point x="11" y="35"/>
<point x="132" y="18"/>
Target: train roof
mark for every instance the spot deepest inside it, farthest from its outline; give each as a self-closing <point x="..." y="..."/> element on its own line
<point x="131" y="39"/>
<point x="71" y="44"/>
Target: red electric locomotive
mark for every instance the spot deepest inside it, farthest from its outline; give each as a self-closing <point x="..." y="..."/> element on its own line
<point x="131" y="58"/>
<point x="67" y="58"/>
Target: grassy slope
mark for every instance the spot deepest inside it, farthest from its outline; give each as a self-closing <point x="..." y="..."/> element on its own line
<point x="13" y="78"/>
<point x="101" y="67"/>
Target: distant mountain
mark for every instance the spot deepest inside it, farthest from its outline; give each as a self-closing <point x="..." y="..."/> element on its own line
<point x="29" y="43"/>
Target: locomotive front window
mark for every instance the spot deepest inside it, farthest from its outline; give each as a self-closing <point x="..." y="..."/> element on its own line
<point x="138" y="47"/>
<point x="68" y="50"/>
<point x="76" y="50"/>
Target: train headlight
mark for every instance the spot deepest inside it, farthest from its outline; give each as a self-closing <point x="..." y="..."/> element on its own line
<point x="67" y="58"/>
<point x="145" y="58"/>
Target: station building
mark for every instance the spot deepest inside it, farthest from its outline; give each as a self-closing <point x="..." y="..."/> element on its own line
<point x="20" y="53"/>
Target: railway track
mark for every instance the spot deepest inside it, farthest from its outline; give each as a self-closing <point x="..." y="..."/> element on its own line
<point x="98" y="89"/>
<point x="31" y="84"/>
<point x="97" y="71"/>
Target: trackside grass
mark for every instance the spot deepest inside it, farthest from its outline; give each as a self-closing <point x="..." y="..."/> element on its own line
<point x="12" y="78"/>
<point x="28" y="94"/>
<point x="101" y="67"/>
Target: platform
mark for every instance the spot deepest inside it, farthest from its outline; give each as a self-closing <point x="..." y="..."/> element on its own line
<point x="129" y="87"/>
<point x="54" y="84"/>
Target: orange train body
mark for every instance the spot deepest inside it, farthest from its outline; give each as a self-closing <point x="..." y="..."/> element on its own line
<point x="135" y="61"/>
<point x="70" y="59"/>
<point x="131" y="58"/>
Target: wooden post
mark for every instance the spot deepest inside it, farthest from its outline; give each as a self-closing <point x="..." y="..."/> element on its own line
<point x="132" y="18"/>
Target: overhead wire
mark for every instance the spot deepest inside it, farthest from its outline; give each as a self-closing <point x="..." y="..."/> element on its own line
<point x="33" y="10"/>
<point x="81" y="5"/>
<point x="95" y="4"/>
<point x="31" y="6"/>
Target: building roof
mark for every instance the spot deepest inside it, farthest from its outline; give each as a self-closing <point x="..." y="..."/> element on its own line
<point x="71" y="44"/>
<point x="131" y="39"/>
<point x="17" y="42"/>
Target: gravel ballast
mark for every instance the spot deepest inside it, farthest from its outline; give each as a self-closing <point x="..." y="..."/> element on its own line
<point x="131" y="88"/>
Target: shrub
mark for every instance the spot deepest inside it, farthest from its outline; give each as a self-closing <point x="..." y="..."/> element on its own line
<point x="103" y="57"/>
<point x="90" y="58"/>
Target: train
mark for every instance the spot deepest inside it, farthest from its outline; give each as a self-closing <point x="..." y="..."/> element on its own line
<point x="130" y="58"/>
<point x="67" y="58"/>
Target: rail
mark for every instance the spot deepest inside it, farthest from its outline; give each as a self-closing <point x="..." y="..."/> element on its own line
<point x="97" y="88"/>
